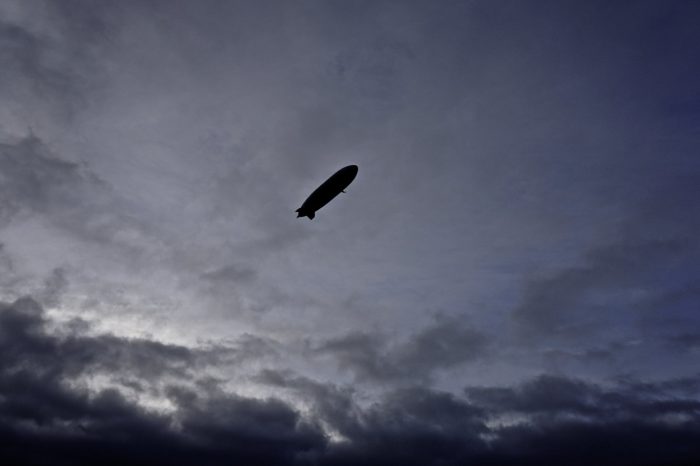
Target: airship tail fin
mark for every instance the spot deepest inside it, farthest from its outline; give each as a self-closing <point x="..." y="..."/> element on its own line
<point x="311" y="215"/>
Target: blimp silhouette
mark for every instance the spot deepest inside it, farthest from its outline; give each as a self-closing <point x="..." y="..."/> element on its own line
<point x="327" y="191"/>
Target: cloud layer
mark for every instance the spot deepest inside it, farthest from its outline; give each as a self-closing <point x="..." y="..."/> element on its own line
<point x="48" y="400"/>
<point x="511" y="279"/>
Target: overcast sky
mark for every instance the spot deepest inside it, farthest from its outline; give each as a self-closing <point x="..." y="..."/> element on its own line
<point x="513" y="276"/>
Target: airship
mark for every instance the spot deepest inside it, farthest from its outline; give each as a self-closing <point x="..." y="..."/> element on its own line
<point x="325" y="193"/>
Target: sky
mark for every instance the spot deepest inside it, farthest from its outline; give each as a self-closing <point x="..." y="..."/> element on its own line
<point x="512" y="278"/>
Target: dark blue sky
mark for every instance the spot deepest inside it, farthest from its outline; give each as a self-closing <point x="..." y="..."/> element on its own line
<point x="512" y="278"/>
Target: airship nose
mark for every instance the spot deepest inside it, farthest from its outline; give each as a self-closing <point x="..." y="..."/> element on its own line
<point x="352" y="168"/>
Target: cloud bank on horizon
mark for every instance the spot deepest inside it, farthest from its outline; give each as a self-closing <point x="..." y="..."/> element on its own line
<point x="514" y="279"/>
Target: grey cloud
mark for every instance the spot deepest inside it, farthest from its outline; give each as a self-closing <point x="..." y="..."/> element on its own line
<point x="445" y="344"/>
<point x="73" y="204"/>
<point x="612" y="357"/>
<point x="248" y="347"/>
<point x="33" y="179"/>
<point x="557" y="304"/>
<point x="52" y="56"/>
<point x="54" y="287"/>
<point x="645" y="267"/>
<point x="38" y="181"/>
<point x="360" y="352"/>
<point x="6" y="268"/>
<point x="671" y="309"/>
<point x="30" y="68"/>
<point x="585" y="356"/>
<point x="688" y="341"/>
<point x="230" y="274"/>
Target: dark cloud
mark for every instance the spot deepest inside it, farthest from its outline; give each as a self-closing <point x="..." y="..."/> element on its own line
<point x="577" y="422"/>
<point x="27" y="343"/>
<point x="71" y="351"/>
<point x="565" y="420"/>
<point x="445" y="344"/>
<point x="411" y="425"/>
<point x="678" y="387"/>
<point x="415" y="426"/>
<point x="553" y="399"/>
<point x="334" y="405"/>
<point x="546" y="420"/>
<point x="42" y="403"/>
<point x="245" y="429"/>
